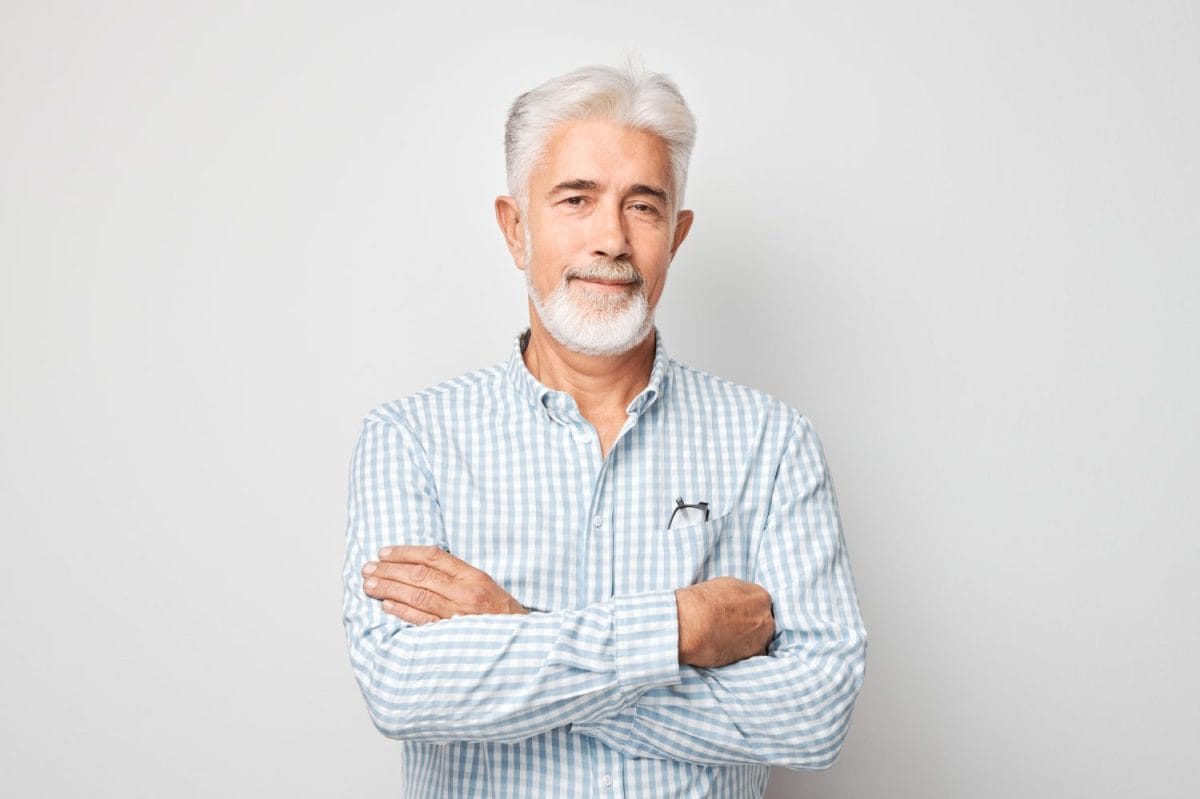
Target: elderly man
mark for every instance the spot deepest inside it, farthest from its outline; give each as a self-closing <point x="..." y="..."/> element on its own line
<point x="592" y="570"/>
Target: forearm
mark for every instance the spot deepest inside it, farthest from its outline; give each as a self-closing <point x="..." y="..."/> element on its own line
<point x="509" y="677"/>
<point x="774" y="710"/>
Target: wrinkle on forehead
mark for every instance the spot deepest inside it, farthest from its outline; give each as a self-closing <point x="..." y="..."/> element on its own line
<point x="607" y="154"/>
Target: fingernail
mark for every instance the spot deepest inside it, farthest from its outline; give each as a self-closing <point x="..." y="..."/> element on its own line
<point x="371" y="583"/>
<point x="383" y="553"/>
<point x="387" y="604"/>
<point x="369" y="568"/>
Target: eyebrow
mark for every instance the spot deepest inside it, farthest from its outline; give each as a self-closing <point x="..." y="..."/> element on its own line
<point x="653" y="191"/>
<point x="578" y="184"/>
<point x="581" y="184"/>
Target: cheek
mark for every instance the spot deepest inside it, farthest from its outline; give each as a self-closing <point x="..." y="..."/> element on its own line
<point x="554" y="230"/>
<point x="543" y="268"/>
<point x="651" y="239"/>
<point x="652" y="254"/>
<point x="655" y="292"/>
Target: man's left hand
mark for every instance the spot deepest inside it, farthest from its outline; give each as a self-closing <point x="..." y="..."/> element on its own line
<point x="424" y="584"/>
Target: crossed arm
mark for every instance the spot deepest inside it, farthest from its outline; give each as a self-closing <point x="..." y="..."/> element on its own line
<point x="671" y="674"/>
<point x="721" y="621"/>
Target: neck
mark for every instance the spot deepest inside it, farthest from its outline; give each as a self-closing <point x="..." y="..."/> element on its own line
<point x="602" y="385"/>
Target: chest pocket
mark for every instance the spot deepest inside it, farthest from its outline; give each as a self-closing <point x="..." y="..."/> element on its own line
<point x="680" y="556"/>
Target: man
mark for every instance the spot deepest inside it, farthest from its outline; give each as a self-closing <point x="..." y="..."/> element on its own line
<point x="593" y="571"/>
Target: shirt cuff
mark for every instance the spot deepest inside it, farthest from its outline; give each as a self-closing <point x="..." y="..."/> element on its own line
<point x="646" y="629"/>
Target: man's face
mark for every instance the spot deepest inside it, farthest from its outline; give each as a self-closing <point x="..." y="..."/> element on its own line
<point x="599" y="234"/>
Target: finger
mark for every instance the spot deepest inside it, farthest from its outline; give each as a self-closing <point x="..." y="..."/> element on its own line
<point x="421" y="599"/>
<point x="433" y="557"/>
<point x="409" y="614"/>
<point x="414" y="574"/>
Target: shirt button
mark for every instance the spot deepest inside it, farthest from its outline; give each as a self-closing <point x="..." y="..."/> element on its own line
<point x="597" y="521"/>
<point x="606" y="780"/>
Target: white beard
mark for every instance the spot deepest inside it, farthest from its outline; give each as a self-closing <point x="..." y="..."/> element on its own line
<point x="590" y="322"/>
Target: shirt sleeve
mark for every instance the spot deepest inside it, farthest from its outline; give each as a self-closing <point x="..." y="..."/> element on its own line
<point x="485" y="677"/>
<point x="792" y="707"/>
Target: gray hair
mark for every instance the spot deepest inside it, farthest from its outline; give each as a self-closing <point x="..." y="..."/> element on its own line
<point x="630" y="96"/>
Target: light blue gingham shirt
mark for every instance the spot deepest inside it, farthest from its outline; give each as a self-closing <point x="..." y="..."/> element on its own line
<point x="585" y="697"/>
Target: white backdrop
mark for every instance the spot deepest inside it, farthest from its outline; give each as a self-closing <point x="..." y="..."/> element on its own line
<point x="962" y="237"/>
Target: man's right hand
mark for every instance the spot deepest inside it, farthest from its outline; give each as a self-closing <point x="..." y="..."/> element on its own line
<point x="722" y="621"/>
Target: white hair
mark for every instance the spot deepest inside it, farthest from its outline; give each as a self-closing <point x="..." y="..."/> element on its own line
<point x="630" y="96"/>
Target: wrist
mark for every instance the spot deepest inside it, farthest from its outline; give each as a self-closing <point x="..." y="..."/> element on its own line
<point x="683" y="609"/>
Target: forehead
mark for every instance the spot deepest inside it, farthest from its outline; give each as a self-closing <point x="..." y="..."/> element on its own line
<point x="607" y="152"/>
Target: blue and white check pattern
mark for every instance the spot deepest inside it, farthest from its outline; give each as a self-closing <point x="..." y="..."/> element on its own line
<point x="585" y="696"/>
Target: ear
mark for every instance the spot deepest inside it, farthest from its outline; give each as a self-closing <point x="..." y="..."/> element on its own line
<point x="512" y="225"/>
<point x="683" y="223"/>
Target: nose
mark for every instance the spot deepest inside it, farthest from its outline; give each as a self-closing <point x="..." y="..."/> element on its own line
<point x="609" y="237"/>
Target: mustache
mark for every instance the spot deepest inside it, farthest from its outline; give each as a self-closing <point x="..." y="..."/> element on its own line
<point x="619" y="270"/>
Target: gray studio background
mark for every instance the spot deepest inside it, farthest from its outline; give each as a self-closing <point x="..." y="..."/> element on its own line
<point x="961" y="237"/>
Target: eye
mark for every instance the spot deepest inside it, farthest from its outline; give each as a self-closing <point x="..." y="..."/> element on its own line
<point x="644" y="208"/>
<point x="575" y="201"/>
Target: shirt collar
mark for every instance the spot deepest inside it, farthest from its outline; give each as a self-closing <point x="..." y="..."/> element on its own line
<point x="544" y="398"/>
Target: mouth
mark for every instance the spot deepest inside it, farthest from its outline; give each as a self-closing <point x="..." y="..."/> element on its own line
<point x="599" y="281"/>
<point x="606" y="288"/>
